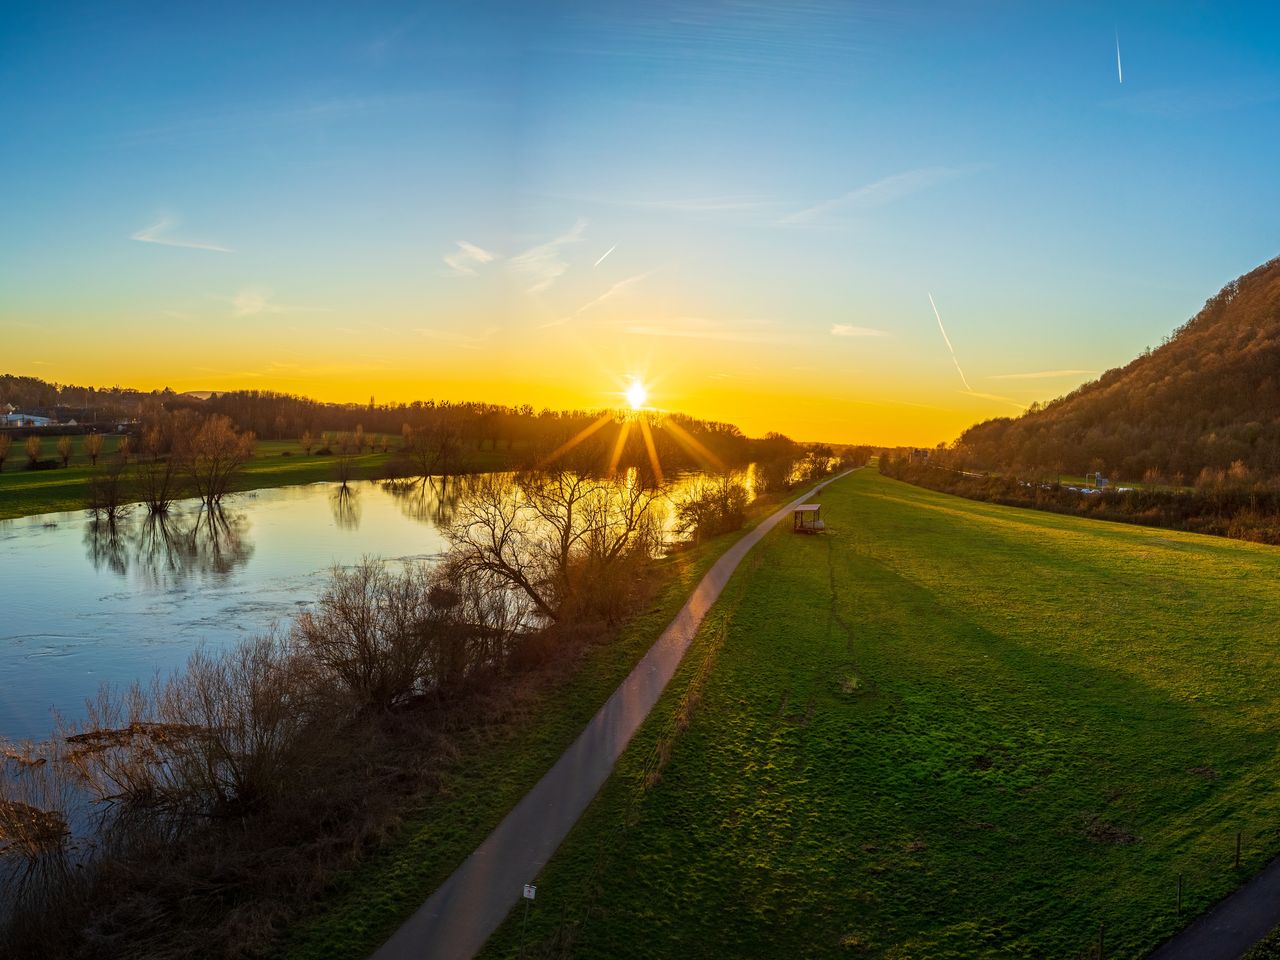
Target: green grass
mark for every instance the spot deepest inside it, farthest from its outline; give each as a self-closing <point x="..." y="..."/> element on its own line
<point x="943" y="729"/>
<point x="496" y="768"/>
<point x="276" y="463"/>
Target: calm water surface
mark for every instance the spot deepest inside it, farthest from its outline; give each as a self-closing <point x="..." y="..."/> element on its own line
<point x="82" y="607"/>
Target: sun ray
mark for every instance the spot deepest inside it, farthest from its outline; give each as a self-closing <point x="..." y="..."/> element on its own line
<point x="577" y="438"/>
<point x="618" y="446"/>
<point x="692" y="445"/>
<point x="653" y="450"/>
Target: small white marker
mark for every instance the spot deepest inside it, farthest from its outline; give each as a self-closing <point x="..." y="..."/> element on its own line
<point x="530" y="891"/>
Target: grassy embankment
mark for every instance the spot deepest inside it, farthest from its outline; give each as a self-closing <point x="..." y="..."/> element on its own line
<point x="276" y="463"/>
<point x="943" y="729"/>
<point x="496" y="767"/>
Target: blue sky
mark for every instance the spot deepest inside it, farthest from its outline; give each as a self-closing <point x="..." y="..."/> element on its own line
<point x="748" y="204"/>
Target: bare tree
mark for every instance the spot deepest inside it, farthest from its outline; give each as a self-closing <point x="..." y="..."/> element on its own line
<point x="552" y="536"/>
<point x="217" y="739"/>
<point x="308" y="442"/>
<point x="6" y="442"/>
<point x="214" y="455"/>
<point x="434" y="449"/>
<point x="158" y="473"/>
<point x="370" y="633"/>
<point x="64" y="450"/>
<point x="93" y="447"/>
<point x="33" y="450"/>
<point x="107" y="495"/>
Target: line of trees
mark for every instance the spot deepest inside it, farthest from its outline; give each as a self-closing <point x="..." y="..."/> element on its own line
<point x="178" y="454"/>
<point x="1228" y="503"/>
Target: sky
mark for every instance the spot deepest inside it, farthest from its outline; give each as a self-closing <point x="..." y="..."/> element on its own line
<point x="754" y="208"/>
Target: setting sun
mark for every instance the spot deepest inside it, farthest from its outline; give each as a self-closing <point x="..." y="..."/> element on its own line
<point x="637" y="394"/>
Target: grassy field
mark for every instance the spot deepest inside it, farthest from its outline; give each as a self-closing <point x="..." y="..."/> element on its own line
<point x="495" y="768"/>
<point x="943" y="729"/>
<point x="276" y="463"/>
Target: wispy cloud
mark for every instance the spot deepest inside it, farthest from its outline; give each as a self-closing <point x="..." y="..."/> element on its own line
<point x="609" y="294"/>
<point x="256" y="301"/>
<point x="730" y="203"/>
<point x="1042" y="375"/>
<point x="849" y="330"/>
<point x="704" y="328"/>
<point x="883" y="191"/>
<point x="465" y="341"/>
<point x="544" y="264"/>
<point x="464" y="260"/>
<point x="158" y="232"/>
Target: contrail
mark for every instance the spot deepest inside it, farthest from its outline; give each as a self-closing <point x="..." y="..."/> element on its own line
<point x="963" y="378"/>
<point x="1119" y="69"/>
<point x="606" y="253"/>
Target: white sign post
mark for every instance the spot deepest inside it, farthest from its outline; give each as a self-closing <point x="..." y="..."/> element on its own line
<point x="530" y="891"/>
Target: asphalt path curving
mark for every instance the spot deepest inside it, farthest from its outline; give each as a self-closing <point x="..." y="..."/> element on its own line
<point x="1233" y="925"/>
<point x="460" y="916"/>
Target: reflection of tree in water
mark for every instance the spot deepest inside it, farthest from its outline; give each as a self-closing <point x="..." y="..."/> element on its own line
<point x="432" y="500"/>
<point x="170" y="549"/>
<point x="344" y="501"/>
<point x="105" y="542"/>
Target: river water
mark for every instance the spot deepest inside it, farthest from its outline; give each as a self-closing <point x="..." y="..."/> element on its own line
<point x="83" y="606"/>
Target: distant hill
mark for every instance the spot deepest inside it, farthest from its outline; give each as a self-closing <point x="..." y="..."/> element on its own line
<point x="1207" y="397"/>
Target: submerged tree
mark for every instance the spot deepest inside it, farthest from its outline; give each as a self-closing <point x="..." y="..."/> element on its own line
<point x="214" y="455"/>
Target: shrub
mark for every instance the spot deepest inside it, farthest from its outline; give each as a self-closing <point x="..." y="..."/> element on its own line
<point x="712" y="507"/>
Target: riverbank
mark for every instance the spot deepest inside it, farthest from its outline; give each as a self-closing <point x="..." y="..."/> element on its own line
<point x="276" y="463"/>
<point x="943" y="728"/>
<point x="495" y="767"/>
<point x="421" y="782"/>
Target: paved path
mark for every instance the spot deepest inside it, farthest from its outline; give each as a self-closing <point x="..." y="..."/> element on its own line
<point x="1233" y="925"/>
<point x="458" y="918"/>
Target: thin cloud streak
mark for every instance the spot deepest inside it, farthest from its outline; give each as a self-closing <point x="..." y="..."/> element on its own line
<point x="458" y="340"/>
<point x="993" y="396"/>
<point x="963" y="378"/>
<point x="702" y="328"/>
<point x="603" y="256"/>
<point x="883" y="191"/>
<point x="157" y="233"/>
<point x="1042" y="375"/>
<point x="1119" y="68"/>
<point x="848" y="330"/>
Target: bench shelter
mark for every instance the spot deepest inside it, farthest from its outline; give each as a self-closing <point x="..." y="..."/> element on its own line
<point x="807" y="520"/>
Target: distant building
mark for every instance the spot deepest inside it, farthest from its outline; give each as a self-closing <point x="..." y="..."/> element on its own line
<point x="15" y="418"/>
<point x="920" y="455"/>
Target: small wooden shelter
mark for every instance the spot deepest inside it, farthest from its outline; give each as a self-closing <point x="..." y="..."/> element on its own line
<point x="807" y="520"/>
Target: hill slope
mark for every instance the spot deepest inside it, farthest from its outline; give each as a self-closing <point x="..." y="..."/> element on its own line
<point x="1210" y="395"/>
